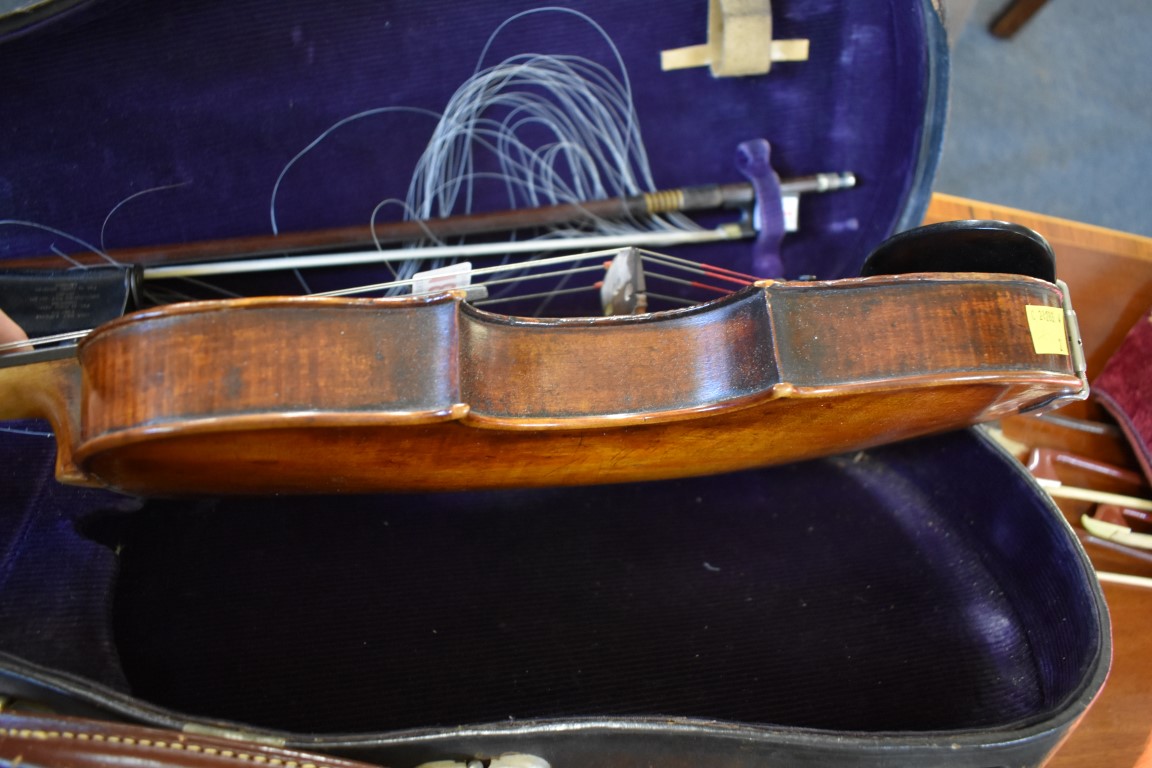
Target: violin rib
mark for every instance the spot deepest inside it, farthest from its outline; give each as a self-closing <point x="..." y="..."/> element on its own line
<point x="299" y="395"/>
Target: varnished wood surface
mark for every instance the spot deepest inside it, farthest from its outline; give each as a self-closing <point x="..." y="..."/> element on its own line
<point x="47" y="390"/>
<point x="280" y="395"/>
<point x="1014" y="16"/>
<point x="1109" y="274"/>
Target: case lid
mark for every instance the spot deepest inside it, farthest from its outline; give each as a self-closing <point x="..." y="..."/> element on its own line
<point x="137" y="124"/>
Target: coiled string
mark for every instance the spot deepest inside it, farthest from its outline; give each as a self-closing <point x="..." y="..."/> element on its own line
<point x="540" y="130"/>
<point x="532" y="130"/>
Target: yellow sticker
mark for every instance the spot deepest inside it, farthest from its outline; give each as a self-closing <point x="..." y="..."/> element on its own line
<point x="1047" y="327"/>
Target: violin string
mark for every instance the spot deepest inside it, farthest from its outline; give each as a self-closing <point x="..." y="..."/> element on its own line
<point x="521" y="272"/>
<point x="65" y="256"/>
<point x="55" y="338"/>
<point x="560" y="286"/>
<point x="407" y="215"/>
<point x="454" y="252"/>
<point x="714" y="269"/>
<point x="541" y="276"/>
<point x="213" y="288"/>
<point x="482" y="271"/>
<point x="60" y="233"/>
<point x="576" y="143"/>
<point x="556" y="129"/>
<point x="593" y="150"/>
<point x="671" y="299"/>
<point x="130" y="198"/>
<point x="565" y="274"/>
<point x="700" y="269"/>
<point x="158" y="296"/>
<point x="303" y="283"/>
<point x="539" y="295"/>
<point x="611" y="92"/>
<point x="576" y="100"/>
<point x="324" y="135"/>
<point x="682" y="281"/>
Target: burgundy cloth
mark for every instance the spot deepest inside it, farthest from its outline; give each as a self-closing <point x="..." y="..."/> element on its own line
<point x="1124" y="388"/>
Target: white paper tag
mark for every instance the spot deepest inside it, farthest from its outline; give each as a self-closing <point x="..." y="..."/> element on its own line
<point x="443" y="279"/>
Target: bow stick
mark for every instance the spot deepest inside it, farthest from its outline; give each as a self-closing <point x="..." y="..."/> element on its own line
<point x="740" y="195"/>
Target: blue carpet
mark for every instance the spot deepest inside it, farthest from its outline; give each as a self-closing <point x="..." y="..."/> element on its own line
<point x="1057" y="120"/>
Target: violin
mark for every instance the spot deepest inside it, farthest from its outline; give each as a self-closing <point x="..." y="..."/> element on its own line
<point x="352" y="395"/>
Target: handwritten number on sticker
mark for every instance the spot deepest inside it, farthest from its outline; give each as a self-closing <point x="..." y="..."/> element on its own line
<point x="1047" y="327"/>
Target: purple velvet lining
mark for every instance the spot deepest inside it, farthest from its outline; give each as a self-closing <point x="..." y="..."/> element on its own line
<point x="219" y="97"/>
<point x="878" y="592"/>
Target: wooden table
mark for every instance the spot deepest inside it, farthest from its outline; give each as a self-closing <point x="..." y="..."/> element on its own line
<point x="1109" y="275"/>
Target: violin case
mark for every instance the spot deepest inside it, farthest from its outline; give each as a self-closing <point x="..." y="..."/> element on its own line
<point x="921" y="603"/>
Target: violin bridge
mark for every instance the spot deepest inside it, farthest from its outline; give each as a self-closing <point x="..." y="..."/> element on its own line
<point x="623" y="291"/>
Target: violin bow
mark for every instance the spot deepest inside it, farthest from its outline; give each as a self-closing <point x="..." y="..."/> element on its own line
<point x="623" y="289"/>
<point x="325" y="247"/>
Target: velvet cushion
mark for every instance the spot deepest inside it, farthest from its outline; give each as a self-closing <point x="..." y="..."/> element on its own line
<point x="1124" y="388"/>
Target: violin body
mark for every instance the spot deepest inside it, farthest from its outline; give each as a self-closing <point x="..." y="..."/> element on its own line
<point x="310" y="395"/>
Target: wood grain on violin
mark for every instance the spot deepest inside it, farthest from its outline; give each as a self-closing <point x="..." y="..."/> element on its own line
<point x="355" y="395"/>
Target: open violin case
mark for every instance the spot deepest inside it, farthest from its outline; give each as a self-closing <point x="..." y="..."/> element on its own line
<point x="921" y="603"/>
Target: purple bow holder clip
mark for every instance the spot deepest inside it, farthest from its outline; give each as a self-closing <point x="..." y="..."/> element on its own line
<point x="767" y="217"/>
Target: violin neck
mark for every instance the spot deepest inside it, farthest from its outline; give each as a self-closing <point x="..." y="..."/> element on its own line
<point x="48" y="390"/>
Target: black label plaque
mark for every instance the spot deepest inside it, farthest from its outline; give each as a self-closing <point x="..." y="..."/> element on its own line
<point x="46" y="302"/>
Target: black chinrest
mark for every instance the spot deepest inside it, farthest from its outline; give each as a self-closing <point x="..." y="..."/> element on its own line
<point x="964" y="246"/>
